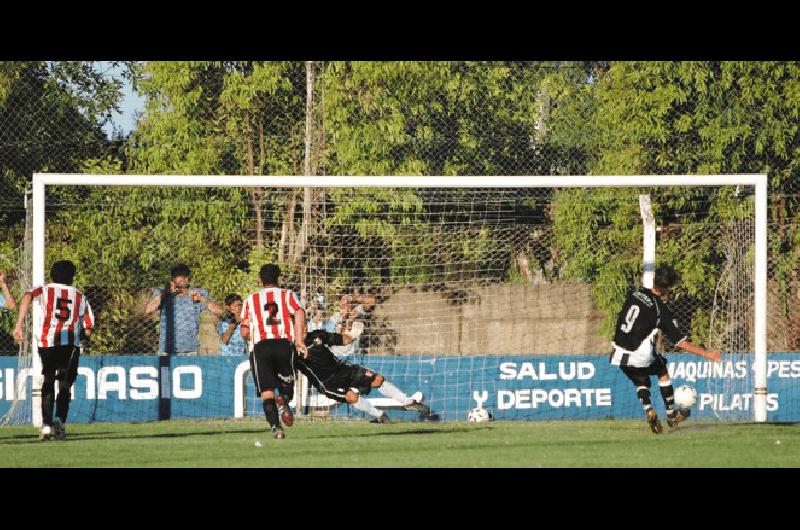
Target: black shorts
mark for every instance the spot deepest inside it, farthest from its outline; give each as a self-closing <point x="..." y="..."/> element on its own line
<point x="641" y="376"/>
<point x="61" y="363"/>
<point x="272" y="365"/>
<point x="349" y="377"/>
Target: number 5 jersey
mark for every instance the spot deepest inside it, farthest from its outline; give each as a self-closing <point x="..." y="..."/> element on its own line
<point x="65" y="311"/>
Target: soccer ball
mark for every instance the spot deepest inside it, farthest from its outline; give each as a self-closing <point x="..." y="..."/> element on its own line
<point x="478" y="415"/>
<point x="685" y="396"/>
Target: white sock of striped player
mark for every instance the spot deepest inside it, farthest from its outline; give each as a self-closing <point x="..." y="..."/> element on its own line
<point x="668" y="393"/>
<point x="365" y="406"/>
<point x="389" y="390"/>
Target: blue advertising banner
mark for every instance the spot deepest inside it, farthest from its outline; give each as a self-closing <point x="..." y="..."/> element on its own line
<point x="147" y="388"/>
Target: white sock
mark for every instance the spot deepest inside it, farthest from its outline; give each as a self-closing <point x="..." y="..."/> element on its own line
<point x="389" y="390"/>
<point x="365" y="406"/>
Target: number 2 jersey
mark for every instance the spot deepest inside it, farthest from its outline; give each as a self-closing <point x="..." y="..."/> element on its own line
<point x="269" y="314"/>
<point x="65" y="311"/>
<point x="642" y="315"/>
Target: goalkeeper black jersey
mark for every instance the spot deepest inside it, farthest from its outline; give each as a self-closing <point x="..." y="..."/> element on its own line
<point x="642" y="314"/>
<point x="321" y="362"/>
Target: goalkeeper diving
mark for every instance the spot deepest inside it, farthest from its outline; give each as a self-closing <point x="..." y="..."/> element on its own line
<point x="349" y="383"/>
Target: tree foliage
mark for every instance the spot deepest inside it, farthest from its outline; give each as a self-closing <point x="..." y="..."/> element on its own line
<point x="681" y="118"/>
<point x="400" y="118"/>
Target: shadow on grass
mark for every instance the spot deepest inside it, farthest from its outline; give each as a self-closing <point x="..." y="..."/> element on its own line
<point x="22" y="439"/>
<point x="403" y="433"/>
<point x="33" y="438"/>
<point x="691" y="427"/>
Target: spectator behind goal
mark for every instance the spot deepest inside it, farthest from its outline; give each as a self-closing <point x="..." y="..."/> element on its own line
<point x="180" y="305"/>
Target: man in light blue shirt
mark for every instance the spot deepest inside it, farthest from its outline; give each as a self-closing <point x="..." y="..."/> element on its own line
<point x="180" y="306"/>
<point x="229" y="328"/>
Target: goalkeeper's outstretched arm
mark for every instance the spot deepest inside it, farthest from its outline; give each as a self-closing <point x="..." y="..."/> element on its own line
<point x="711" y="355"/>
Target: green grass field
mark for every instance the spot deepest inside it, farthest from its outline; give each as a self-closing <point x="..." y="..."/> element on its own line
<point x="450" y="444"/>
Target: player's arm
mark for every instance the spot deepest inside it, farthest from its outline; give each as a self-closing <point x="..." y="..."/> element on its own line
<point x="88" y="321"/>
<point x="300" y="332"/>
<point x="356" y="328"/>
<point x="155" y="303"/>
<point x="23" y="312"/>
<point x="87" y="325"/>
<point x="11" y="304"/>
<point x="711" y="355"/>
<point x="214" y="307"/>
<point x="332" y="339"/>
<point x="670" y="327"/>
<point x="244" y="320"/>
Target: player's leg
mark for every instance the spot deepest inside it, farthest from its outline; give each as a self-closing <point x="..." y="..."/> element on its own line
<point x="49" y="365"/>
<point x="388" y="389"/>
<point x="66" y="378"/>
<point x="641" y="381"/>
<point x="283" y="361"/>
<point x="359" y="403"/>
<point x="265" y="382"/>
<point x="668" y="393"/>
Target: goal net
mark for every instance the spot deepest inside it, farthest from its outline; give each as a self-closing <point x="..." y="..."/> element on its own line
<point x="492" y="292"/>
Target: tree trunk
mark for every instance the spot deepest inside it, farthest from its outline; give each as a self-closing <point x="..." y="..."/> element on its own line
<point x="287" y="229"/>
<point x="258" y="204"/>
<point x="287" y="226"/>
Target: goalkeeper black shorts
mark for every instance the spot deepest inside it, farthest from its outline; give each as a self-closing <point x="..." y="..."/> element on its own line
<point x="347" y="377"/>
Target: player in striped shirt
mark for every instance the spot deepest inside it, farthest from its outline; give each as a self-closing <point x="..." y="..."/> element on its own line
<point x="274" y="324"/>
<point x="67" y="319"/>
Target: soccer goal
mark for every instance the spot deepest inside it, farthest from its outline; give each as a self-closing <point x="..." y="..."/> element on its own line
<point x="494" y="292"/>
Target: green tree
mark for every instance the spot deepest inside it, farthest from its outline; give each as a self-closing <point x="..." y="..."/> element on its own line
<point x="680" y="118"/>
<point x="200" y="118"/>
<point x="430" y="118"/>
<point x="51" y="119"/>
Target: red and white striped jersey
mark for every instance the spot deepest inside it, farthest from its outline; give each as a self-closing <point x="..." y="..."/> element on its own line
<point x="269" y="314"/>
<point x="64" y="312"/>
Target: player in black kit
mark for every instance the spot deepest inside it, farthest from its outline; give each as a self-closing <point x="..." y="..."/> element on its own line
<point x="349" y="383"/>
<point x="642" y="315"/>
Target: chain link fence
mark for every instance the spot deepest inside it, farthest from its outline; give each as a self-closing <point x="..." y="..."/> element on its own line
<point x="454" y="272"/>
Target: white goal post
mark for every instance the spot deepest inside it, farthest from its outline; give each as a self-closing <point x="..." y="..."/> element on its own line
<point x="758" y="182"/>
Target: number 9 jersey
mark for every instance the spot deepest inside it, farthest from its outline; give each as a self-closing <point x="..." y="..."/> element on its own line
<point x="65" y="311"/>
<point x="642" y="315"/>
